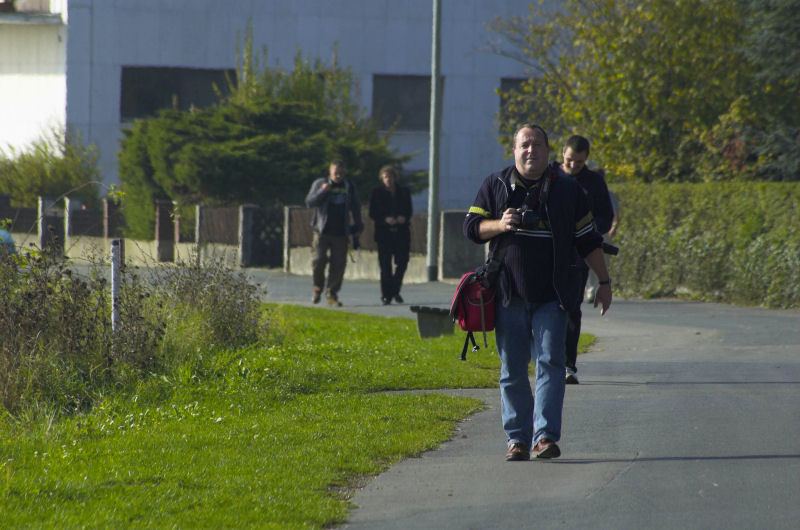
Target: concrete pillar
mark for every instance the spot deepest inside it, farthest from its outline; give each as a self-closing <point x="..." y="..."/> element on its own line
<point x="287" y="241"/>
<point x="165" y="232"/>
<point x="457" y="254"/>
<point x="198" y="238"/>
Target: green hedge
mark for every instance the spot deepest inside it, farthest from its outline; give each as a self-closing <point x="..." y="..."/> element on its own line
<point x="726" y="242"/>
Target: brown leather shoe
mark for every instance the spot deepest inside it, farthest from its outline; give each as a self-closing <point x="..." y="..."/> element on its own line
<point x="546" y="448"/>
<point x="518" y="451"/>
<point x="334" y="301"/>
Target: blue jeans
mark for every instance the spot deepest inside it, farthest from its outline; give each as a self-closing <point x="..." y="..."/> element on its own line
<point x="525" y="332"/>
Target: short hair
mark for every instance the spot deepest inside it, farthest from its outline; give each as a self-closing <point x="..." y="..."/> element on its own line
<point x="388" y="169"/>
<point x="578" y="144"/>
<point x="529" y="126"/>
<point x="337" y="162"/>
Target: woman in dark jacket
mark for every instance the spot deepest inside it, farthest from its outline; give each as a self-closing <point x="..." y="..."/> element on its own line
<point x="390" y="208"/>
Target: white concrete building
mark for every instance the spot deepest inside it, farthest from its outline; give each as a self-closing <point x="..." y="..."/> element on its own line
<point x="96" y="64"/>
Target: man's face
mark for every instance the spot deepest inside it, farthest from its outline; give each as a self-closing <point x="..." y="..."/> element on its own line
<point x="336" y="173"/>
<point x="388" y="180"/>
<point x="573" y="162"/>
<point x="530" y="153"/>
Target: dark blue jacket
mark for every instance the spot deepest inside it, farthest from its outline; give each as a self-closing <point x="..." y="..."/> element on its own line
<point x="570" y="221"/>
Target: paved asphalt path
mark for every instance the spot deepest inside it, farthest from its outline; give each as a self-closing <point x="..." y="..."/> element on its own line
<point x="687" y="416"/>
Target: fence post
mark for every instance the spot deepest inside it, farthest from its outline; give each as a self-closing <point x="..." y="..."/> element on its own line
<point x="116" y="265"/>
<point x="165" y="232"/>
<point x="41" y="223"/>
<point x="198" y="213"/>
<point x="67" y="220"/>
<point x="287" y="227"/>
<point x="246" y="214"/>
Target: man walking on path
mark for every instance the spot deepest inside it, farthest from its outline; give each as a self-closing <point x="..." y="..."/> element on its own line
<point x="544" y="219"/>
<point x="390" y="209"/>
<point x="575" y="154"/>
<point x="334" y="200"/>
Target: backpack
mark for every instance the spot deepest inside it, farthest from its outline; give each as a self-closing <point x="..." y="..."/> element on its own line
<point x="473" y="307"/>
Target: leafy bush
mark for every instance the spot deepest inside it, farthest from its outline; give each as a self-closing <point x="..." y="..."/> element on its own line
<point x="59" y="353"/>
<point x="53" y="166"/>
<point x="733" y="242"/>
<point x="53" y="344"/>
<point x="206" y="307"/>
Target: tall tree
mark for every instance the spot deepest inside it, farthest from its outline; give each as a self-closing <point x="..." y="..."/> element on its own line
<point x="759" y="134"/>
<point x="646" y="81"/>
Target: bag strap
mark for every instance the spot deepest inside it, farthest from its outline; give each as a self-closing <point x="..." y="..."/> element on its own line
<point x="469" y="338"/>
<point x="483" y="319"/>
<point x="498" y="253"/>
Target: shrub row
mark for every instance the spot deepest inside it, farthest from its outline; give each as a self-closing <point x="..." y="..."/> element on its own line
<point x="58" y="353"/>
<point x="726" y="242"/>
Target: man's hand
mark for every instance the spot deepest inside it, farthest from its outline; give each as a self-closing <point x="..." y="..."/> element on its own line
<point x="489" y="228"/>
<point x="603" y="298"/>
<point x="510" y="220"/>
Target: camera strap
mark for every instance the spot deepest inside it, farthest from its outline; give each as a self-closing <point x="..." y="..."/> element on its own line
<point x="497" y="254"/>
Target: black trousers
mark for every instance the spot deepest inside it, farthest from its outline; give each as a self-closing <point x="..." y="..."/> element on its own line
<point x="574" y="323"/>
<point x="395" y="247"/>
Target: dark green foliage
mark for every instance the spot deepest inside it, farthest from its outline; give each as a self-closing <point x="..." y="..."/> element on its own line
<point x="264" y="144"/>
<point x="54" y="166"/>
<point x="733" y="242"/>
<point x="759" y="134"/>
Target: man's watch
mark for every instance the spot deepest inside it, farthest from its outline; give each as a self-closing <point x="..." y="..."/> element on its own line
<point x="605" y="282"/>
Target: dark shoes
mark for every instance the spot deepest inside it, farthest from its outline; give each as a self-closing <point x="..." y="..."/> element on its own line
<point x="572" y="377"/>
<point x="385" y="301"/>
<point x="398" y="298"/>
<point x="545" y="448"/>
<point x="316" y="296"/>
<point x="518" y="451"/>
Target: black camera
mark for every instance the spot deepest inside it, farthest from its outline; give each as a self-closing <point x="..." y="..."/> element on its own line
<point x="608" y="248"/>
<point x="529" y="220"/>
<point x="530" y="216"/>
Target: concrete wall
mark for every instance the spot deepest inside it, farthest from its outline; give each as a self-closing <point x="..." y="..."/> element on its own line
<point x="366" y="268"/>
<point x="457" y="255"/>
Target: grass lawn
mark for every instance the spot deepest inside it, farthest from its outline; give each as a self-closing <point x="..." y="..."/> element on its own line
<point x="264" y="436"/>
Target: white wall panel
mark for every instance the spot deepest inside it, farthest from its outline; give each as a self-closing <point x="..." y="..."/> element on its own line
<point x="32" y="83"/>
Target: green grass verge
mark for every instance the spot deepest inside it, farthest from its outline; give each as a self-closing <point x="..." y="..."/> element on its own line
<point x="268" y="437"/>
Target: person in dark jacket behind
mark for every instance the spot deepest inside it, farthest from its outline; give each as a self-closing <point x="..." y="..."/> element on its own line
<point x="334" y="200"/>
<point x="534" y="285"/>
<point x="390" y="208"/>
<point x="575" y="154"/>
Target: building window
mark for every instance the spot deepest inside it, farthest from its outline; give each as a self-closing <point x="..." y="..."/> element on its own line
<point x="509" y="118"/>
<point x="403" y="101"/>
<point x="146" y="90"/>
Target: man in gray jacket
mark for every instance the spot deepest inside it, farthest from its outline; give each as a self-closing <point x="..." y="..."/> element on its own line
<point x="334" y="200"/>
